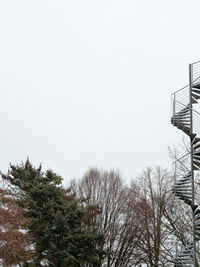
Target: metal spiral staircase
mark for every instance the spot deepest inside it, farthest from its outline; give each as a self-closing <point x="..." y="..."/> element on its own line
<point x="185" y="118"/>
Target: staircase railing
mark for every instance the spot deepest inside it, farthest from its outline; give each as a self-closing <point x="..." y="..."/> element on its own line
<point x="187" y="119"/>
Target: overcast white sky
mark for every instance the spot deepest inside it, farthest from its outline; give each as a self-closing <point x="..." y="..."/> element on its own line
<point x="88" y="83"/>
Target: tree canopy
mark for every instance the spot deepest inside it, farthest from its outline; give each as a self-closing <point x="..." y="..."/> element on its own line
<point x="54" y="219"/>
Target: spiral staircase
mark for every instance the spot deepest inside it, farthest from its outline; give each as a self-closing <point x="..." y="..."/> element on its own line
<point x="187" y="119"/>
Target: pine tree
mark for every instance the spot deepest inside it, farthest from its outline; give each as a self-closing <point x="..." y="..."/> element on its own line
<point x="54" y="219"/>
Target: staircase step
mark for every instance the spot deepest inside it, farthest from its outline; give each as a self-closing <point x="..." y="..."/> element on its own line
<point x="196" y="85"/>
<point x="196" y="167"/>
<point x="196" y="91"/>
<point x="197" y="153"/>
<point x="192" y="136"/>
<point x="196" y="140"/>
<point x="194" y="207"/>
<point x="194" y="101"/>
<point x="196" y="96"/>
<point x="197" y="212"/>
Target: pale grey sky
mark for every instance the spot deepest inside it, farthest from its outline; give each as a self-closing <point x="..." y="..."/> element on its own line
<point x="88" y="83"/>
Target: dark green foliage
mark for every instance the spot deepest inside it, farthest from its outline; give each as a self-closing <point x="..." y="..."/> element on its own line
<point x="54" y="219"/>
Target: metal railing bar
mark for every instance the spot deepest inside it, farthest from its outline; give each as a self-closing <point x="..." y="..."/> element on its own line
<point x="197" y="131"/>
<point x="197" y="124"/>
<point x="182" y="94"/>
<point x="185" y="89"/>
<point x="176" y="101"/>
<point x="196" y="67"/>
<point x="183" y="100"/>
<point x="196" y="112"/>
<point x="195" y="74"/>
<point x="197" y="127"/>
<point x="196" y="117"/>
<point x="197" y="121"/>
<point x="195" y="62"/>
<point x="181" y="157"/>
<point x="181" y="89"/>
<point x="196" y="71"/>
<point x="196" y="79"/>
<point x="185" y="86"/>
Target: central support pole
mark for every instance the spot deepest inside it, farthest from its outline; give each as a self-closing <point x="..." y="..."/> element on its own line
<point x="192" y="170"/>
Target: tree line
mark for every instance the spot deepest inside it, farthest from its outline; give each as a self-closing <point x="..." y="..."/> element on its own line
<point x="98" y="220"/>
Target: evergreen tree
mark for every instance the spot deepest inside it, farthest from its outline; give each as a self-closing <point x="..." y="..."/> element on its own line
<point x="54" y="219"/>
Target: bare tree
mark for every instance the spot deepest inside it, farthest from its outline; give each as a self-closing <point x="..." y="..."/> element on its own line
<point x="154" y="246"/>
<point x="137" y="221"/>
<point x="109" y="205"/>
<point x="14" y="241"/>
